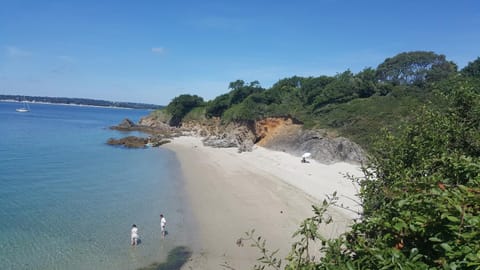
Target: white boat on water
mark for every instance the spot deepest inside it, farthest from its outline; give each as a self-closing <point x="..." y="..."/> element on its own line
<point x="25" y="108"/>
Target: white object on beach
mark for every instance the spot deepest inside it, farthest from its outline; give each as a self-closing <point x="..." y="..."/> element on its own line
<point x="306" y="155"/>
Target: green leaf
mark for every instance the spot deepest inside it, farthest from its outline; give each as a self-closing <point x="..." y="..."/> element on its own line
<point x="399" y="225"/>
<point x="453" y="219"/>
<point x="435" y="239"/>
<point x="446" y="246"/>
<point x="401" y="203"/>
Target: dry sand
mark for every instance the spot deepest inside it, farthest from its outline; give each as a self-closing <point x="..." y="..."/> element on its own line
<point x="269" y="191"/>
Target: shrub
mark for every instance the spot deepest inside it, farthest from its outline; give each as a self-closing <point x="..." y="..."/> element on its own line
<point x="421" y="199"/>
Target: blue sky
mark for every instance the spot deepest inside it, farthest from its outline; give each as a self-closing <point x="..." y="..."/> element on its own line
<point x="152" y="51"/>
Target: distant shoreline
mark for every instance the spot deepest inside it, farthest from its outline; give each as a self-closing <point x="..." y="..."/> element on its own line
<point x="79" y="102"/>
<point x="72" y="104"/>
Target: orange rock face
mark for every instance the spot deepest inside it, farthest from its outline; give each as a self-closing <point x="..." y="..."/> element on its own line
<point x="270" y="128"/>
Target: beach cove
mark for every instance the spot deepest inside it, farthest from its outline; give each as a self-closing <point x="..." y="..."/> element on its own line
<point x="231" y="193"/>
<point x="69" y="199"/>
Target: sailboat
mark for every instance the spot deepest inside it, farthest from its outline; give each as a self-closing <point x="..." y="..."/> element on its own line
<point x="25" y="108"/>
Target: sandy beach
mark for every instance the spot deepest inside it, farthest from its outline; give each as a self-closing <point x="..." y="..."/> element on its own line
<point x="272" y="192"/>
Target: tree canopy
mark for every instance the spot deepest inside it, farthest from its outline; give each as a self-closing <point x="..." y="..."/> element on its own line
<point x="472" y="69"/>
<point x="181" y="105"/>
<point x="414" y="68"/>
<point x="239" y="91"/>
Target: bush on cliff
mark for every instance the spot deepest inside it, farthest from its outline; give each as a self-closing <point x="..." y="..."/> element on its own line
<point x="239" y="91"/>
<point x="181" y="105"/>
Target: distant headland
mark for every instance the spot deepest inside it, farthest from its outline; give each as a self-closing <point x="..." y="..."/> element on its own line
<point x="80" y="101"/>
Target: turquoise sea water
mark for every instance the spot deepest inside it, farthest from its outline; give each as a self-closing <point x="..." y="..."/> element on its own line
<point x="68" y="200"/>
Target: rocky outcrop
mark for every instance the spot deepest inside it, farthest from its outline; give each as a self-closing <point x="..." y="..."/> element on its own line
<point x="126" y="124"/>
<point x="323" y="148"/>
<point x="281" y="134"/>
<point x="159" y="134"/>
<point x="232" y="135"/>
<point x="146" y="125"/>
<point x="129" y="142"/>
<point x="278" y="133"/>
<point x="137" y="142"/>
<point x="154" y="124"/>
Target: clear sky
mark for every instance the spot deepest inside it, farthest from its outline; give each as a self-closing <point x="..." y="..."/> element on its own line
<point x="152" y="51"/>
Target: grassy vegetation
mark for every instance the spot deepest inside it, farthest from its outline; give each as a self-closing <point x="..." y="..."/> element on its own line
<point x="362" y="119"/>
<point x="196" y="114"/>
<point x="161" y="115"/>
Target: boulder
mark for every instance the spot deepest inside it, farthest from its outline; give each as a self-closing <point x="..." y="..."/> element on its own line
<point x="219" y="142"/>
<point x="129" y="142"/>
<point x="126" y="124"/>
<point x="324" y="148"/>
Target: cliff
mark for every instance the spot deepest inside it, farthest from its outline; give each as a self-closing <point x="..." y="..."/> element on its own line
<point x="279" y="133"/>
<point x="283" y="135"/>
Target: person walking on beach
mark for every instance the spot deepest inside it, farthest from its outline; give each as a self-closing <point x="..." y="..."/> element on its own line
<point x="163" y="225"/>
<point x="134" y="236"/>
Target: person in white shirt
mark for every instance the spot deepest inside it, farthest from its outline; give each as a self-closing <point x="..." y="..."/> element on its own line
<point x="134" y="236"/>
<point x="163" y="225"/>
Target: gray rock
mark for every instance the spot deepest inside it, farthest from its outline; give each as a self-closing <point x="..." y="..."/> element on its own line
<point x="129" y="142"/>
<point x="322" y="147"/>
<point x="219" y="142"/>
<point x="125" y="125"/>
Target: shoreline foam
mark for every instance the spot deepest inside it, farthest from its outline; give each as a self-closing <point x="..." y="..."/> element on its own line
<point x="272" y="192"/>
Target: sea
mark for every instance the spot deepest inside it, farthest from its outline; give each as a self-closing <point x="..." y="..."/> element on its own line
<point x="68" y="200"/>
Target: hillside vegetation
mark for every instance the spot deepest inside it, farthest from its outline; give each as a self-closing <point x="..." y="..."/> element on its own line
<point x="356" y="106"/>
<point x="419" y="117"/>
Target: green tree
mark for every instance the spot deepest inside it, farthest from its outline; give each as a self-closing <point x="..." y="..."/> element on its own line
<point x="181" y="105"/>
<point x="236" y="84"/>
<point x="285" y="89"/>
<point x="367" y="83"/>
<point x="246" y="111"/>
<point x="472" y="69"/>
<point x="216" y="107"/>
<point x="241" y="91"/>
<point x="238" y="93"/>
<point x="414" y="68"/>
<point x="313" y="86"/>
<point x="343" y="89"/>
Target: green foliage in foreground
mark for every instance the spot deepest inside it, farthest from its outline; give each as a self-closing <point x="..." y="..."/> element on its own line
<point x="421" y="199"/>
